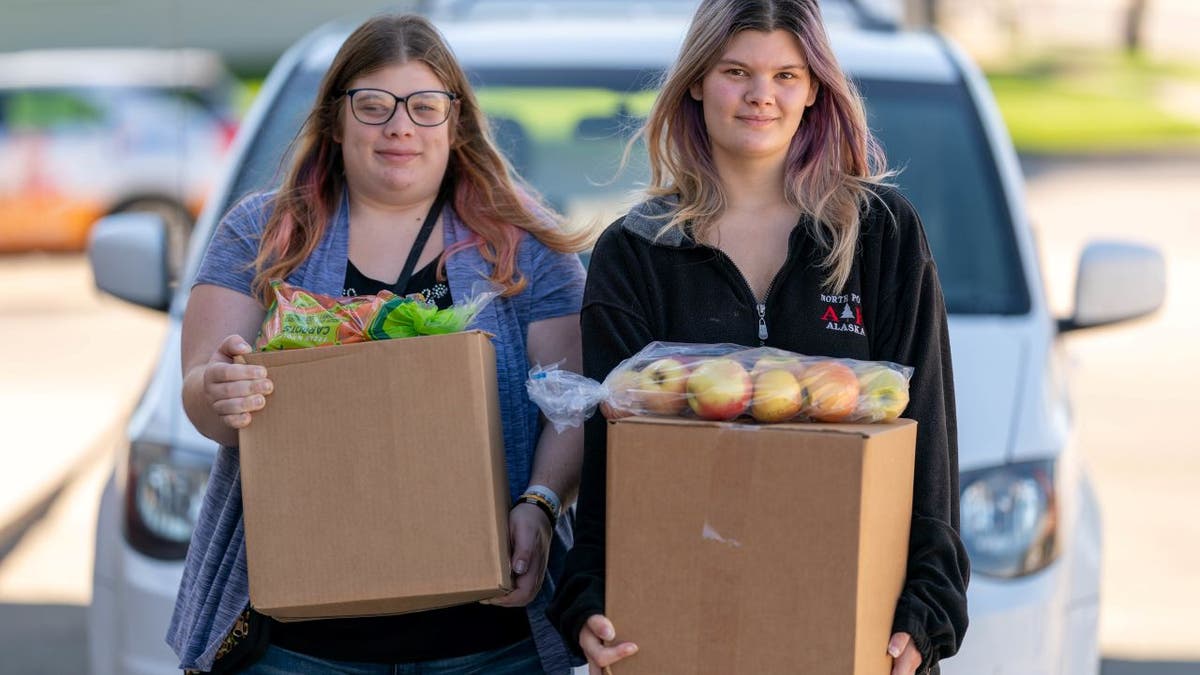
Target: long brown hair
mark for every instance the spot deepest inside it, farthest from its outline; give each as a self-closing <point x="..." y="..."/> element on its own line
<point x="832" y="163"/>
<point x="497" y="206"/>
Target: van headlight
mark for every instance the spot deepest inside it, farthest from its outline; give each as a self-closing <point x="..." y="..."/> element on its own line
<point x="1009" y="518"/>
<point x="164" y="489"/>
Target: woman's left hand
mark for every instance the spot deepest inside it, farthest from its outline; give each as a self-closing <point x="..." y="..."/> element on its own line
<point x="905" y="657"/>
<point x="529" y="535"/>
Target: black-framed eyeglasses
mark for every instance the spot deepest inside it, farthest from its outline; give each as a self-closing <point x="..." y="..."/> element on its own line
<point x="378" y="106"/>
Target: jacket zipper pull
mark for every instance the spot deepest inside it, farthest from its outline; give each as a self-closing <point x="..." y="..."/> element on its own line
<point x="762" y="321"/>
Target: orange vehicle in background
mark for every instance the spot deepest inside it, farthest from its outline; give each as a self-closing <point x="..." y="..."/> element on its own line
<point x="86" y="133"/>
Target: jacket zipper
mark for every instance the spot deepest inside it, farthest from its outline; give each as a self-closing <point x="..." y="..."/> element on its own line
<point x="760" y="306"/>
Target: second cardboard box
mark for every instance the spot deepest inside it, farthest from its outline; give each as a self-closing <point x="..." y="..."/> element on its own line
<point x="757" y="549"/>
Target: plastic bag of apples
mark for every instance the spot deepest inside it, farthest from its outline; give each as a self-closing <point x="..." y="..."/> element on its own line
<point x="726" y="382"/>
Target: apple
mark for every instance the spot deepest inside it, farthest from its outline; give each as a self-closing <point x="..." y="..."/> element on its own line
<point x="719" y="389"/>
<point x="622" y="398"/>
<point x="790" y="364"/>
<point x="777" y="396"/>
<point x="883" y="395"/>
<point x="830" y="391"/>
<point x="663" y="387"/>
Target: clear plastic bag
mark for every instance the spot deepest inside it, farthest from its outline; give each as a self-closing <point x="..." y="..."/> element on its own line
<point x="299" y="319"/>
<point x="727" y="382"/>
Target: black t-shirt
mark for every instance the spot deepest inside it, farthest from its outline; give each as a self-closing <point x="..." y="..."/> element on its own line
<point x="423" y="281"/>
<point x="405" y="638"/>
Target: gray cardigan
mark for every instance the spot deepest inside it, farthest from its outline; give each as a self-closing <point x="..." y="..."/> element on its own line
<point x="214" y="589"/>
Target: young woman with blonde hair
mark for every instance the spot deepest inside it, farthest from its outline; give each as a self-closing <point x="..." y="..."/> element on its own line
<point x="769" y="221"/>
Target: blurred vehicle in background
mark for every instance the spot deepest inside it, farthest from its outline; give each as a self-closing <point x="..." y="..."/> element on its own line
<point x="565" y="84"/>
<point x="86" y="133"/>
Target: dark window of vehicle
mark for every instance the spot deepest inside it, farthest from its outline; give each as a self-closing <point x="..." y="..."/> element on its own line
<point x="566" y="131"/>
<point x="933" y="135"/>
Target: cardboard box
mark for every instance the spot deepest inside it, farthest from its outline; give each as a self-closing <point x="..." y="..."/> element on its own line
<point x="374" y="481"/>
<point x="757" y="549"/>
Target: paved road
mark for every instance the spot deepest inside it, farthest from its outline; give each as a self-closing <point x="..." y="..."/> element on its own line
<point x="1136" y="395"/>
<point x="72" y="365"/>
<point x="72" y="361"/>
<point x="77" y="362"/>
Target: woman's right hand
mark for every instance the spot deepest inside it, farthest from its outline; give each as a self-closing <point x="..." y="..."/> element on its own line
<point x="235" y="390"/>
<point x="592" y="638"/>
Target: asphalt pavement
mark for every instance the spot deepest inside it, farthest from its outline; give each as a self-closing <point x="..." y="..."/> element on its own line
<point x="72" y="364"/>
<point x="1134" y="392"/>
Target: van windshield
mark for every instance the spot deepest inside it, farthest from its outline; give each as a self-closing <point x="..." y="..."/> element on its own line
<point x="565" y="132"/>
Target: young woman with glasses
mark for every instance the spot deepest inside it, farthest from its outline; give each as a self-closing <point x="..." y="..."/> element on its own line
<point x="768" y="218"/>
<point x="395" y="183"/>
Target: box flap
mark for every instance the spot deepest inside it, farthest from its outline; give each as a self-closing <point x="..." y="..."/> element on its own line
<point x="864" y="430"/>
<point x="887" y="490"/>
<point x="287" y="357"/>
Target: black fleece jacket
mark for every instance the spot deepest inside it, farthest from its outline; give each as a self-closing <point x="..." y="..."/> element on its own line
<point x="641" y="288"/>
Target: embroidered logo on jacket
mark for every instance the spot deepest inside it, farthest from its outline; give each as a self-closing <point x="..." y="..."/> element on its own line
<point x="843" y="313"/>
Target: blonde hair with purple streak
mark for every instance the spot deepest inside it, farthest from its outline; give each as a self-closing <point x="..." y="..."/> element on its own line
<point x="832" y="164"/>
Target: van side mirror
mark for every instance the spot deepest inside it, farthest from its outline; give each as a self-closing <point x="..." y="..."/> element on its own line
<point x="1115" y="282"/>
<point x="128" y="253"/>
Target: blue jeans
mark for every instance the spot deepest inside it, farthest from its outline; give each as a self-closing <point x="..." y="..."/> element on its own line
<point x="518" y="659"/>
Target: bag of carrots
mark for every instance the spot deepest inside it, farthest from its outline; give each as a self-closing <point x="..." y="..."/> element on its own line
<point x="298" y="319"/>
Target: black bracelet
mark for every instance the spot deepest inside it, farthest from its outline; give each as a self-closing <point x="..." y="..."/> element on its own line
<point x="541" y="504"/>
